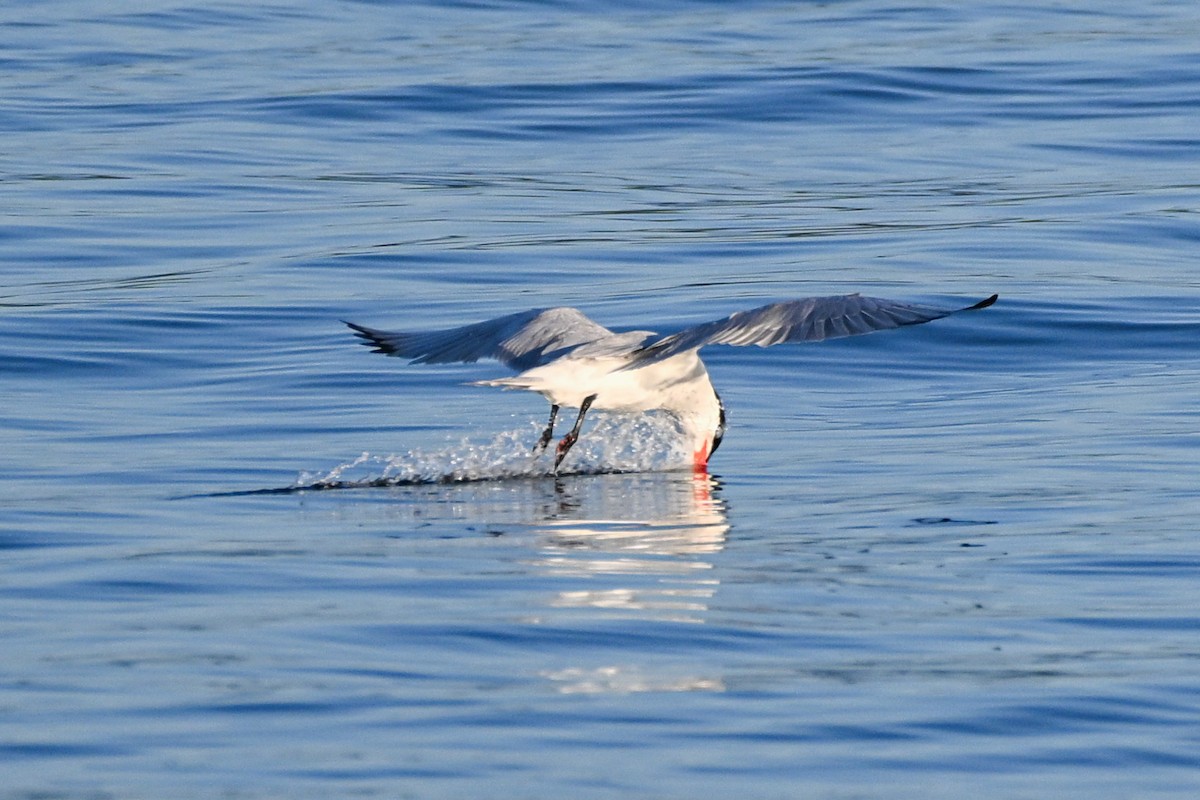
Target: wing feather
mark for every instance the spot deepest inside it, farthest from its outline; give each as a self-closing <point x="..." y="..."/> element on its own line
<point x="520" y="341"/>
<point x="812" y="319"/>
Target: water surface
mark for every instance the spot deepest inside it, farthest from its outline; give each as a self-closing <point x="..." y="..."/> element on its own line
<point x="958" y="559"/>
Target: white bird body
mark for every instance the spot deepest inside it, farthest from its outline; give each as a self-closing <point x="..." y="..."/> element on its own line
<point x="679" y="385"/>
<point x="576" y="363"/>
<point x="672" y="384"/>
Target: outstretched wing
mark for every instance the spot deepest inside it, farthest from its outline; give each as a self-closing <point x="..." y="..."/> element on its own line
<point x="809" y="320"/>
<point x="520" y="341"/>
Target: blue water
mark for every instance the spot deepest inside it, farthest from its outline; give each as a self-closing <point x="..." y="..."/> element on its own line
<point x="953" y="561"/>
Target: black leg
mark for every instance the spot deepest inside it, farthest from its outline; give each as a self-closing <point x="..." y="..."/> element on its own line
<point x="569" y="440"/>
<point x="547" y="434"/>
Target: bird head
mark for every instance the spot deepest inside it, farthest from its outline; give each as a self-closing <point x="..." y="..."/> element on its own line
<point x="706" y="429"/>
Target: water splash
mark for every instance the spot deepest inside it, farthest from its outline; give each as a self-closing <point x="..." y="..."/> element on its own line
<point x="615" y="443"/>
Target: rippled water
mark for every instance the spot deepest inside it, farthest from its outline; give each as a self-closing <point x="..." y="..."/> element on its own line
<point x="956" y="560"/>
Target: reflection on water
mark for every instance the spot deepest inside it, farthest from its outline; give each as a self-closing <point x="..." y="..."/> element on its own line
<point x="646" y="537"/>
<point x="638" y="543"/>
<point x="626" y="680"/>
<point x="640" y="548"/>
<point x="627" y="548"/>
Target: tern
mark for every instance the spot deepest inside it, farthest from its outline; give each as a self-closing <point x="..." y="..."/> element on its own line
<point x="576" y="363"/>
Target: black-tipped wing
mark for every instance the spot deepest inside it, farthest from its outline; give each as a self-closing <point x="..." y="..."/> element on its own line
<point x="520" y="341"/>
<point x="812" y="319"/>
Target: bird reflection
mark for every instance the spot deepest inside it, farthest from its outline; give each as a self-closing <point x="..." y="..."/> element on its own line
<point x="640" y="546"/>
<point x="633" y="547"/>
<point x="647" y="536"/>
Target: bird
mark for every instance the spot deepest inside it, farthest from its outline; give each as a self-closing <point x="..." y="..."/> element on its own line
<point x="575" y="362"/>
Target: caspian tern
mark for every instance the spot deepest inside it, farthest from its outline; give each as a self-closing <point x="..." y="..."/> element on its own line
<point x="577" y="363"/>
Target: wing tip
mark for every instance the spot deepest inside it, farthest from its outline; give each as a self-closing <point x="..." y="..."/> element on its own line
<point x="984" y="303"/>
<point x="370" y="338"/>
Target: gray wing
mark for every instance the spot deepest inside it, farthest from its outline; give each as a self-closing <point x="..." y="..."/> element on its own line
<point x="520" y="341"/>
<point x="812" y="319"/>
